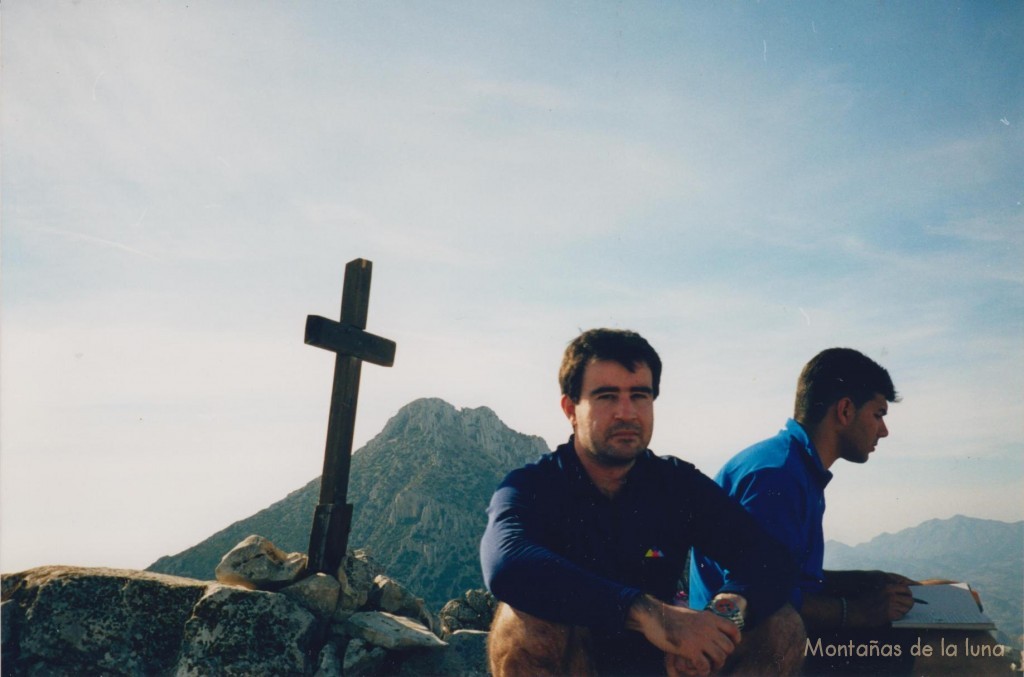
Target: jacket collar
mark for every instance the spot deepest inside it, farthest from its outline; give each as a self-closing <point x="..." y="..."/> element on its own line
<point x="808" y="453"/>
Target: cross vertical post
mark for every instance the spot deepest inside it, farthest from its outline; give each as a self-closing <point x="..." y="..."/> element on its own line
<point x="332" y="520"/>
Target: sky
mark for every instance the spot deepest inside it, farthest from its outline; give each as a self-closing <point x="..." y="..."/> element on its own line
<point x="745" y="184"/>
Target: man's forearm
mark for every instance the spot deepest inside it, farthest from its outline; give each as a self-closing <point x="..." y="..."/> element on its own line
<point x="553" y="588"/>
<point x="522" y="572"/>
<point x="825" y="612"/>
<point x="877" y="607"/>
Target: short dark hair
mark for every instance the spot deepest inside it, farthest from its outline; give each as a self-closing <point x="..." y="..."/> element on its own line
<point x="836" y="373"/>
<point x="617" y="345"/>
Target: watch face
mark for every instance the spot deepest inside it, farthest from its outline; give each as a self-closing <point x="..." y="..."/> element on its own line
<point x="725" y="606"/>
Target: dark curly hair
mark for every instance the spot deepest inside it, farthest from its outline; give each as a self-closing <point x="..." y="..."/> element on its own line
<point x="617" y="345"/>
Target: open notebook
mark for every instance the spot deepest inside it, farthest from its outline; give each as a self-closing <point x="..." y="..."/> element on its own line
<point x="950" y="606"/>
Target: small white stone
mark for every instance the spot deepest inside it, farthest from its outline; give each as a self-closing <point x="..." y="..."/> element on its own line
<point x="256" y="563"/>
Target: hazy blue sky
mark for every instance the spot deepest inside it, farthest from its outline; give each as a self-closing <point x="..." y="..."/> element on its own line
<point x="743" y="183"/>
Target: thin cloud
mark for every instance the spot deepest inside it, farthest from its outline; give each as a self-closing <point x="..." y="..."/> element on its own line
<point x="94" y="240"/>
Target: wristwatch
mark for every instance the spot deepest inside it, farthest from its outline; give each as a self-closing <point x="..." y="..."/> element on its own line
<point x="727" y="609"/>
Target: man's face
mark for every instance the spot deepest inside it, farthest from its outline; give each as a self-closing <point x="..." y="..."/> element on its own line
<point x="614" y="418"/>
<point x="859" y="438"/>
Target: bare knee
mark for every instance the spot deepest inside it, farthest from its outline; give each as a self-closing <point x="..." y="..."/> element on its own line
<point x="786" y="627"/>
<point x="521" y="644"/>
<point x="774" y="647"/>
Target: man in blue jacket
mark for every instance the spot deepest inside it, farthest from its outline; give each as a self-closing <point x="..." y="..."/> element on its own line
<point x="586" y="547"/>
<point x="841" y="402"/>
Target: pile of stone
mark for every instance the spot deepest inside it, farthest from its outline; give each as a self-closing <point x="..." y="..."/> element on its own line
<point x="265" y="615"/>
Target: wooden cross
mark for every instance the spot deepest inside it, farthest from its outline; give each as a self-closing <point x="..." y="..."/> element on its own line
<point x="328" y="539"/>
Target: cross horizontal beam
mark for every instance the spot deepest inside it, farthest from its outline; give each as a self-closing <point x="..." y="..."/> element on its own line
<point x="348" y="340"/>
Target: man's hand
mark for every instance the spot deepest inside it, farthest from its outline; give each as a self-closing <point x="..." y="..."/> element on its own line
<point x="696" y="642"/>
<point x="886" y="605"/>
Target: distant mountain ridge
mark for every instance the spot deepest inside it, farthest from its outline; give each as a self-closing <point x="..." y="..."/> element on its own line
<point x="420" y="489"/>
<point x="988" y="554"/>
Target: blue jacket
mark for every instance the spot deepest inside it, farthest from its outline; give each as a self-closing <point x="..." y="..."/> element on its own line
<point x="781" y="482"/>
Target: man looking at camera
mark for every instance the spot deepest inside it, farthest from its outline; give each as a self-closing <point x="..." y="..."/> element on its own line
<point x="585" y="547"/>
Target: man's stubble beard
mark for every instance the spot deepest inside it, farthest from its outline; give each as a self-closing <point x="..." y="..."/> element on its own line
<point x="608" y="456"/>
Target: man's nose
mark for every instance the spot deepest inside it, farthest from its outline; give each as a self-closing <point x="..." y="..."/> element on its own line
<point x="626" y="409"/>
<point x="884" y="431"/>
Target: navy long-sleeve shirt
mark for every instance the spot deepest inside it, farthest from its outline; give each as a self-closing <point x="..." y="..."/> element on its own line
<point x="556" y="548"/>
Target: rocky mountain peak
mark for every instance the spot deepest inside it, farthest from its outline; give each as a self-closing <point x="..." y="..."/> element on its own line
<point x="435" y="425"/>
<point x="419" y="490"/>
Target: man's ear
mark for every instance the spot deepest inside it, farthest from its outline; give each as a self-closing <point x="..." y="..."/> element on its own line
<point x="846" y="411"/>
<point x="569" y="409"/>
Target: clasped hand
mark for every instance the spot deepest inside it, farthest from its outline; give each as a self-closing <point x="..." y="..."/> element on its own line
<point x="696" y="643"/>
